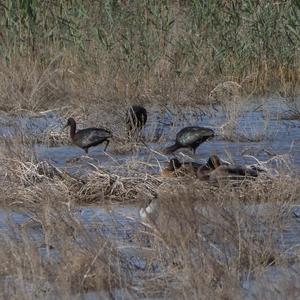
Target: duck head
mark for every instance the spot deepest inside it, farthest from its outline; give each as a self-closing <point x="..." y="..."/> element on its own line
<point x="173" y="164"/>
<point x="213" y="162"/>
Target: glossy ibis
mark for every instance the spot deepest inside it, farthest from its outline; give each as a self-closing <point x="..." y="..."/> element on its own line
<point x="190" y="137"/>
<point x="136" y="118"/>
<point x="88" y="137"/>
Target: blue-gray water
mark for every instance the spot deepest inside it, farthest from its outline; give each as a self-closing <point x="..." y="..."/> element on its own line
<point x="259" y="130"/>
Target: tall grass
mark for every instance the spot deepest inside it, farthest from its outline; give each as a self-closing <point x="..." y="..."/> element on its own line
<point x="175" y="49"/>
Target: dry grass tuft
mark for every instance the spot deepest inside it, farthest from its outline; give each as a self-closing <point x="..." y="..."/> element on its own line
<point x="205" y="242"/>
<point x="212" y="239"/>
<point x="102" y="185"/>
<point x="70" y="261"/>
<point x="225" y="92"/>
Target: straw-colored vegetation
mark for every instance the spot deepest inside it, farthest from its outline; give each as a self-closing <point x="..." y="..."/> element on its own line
<point x="81" y="52"/>
<point x="204" y="243"/>
<point x="90" y="60"/>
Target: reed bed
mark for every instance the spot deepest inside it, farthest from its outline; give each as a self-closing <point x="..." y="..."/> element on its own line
<point x="76" y="54"/>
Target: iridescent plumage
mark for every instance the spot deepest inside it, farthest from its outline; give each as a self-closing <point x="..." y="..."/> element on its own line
<point x="190" y="137"/>
<point x="88" y="137"/>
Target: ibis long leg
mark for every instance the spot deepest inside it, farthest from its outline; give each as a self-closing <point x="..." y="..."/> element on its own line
<point x="107" y="143"/>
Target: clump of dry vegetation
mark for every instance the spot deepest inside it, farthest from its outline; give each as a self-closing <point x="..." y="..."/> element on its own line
<point x="206" y="242"/>
<point x="293" y="110"/>
<point x="214" y="239"/>
<point x="51" y="254"/>
<point x="76" y="54"/>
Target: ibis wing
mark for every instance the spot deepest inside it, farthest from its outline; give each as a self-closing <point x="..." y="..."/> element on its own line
<point x="91" y="136"/>
<point x="191" y="135"/>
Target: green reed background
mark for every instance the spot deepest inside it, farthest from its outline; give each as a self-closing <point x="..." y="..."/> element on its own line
<point x="212" y="40"/>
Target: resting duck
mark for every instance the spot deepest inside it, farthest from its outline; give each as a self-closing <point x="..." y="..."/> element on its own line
<point x="175" y="168"/>
<point x="233" y="172"/>
<point x="212" y="163"/>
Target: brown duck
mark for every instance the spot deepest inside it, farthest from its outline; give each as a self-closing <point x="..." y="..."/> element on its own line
<point x="233" y="172"/>
<point x="213" y="162"/>
<point x="175" y="168"/>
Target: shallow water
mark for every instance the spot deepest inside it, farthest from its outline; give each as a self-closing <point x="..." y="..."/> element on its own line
<point x="15" y="217"/>
<point x="120" y="222"/>
<point x="259" y="128"/>
<point x="259" y="132"/>
<point x="29" y="124"/>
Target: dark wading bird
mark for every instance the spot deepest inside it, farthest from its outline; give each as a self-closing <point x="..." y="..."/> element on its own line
<point x="190" y="137"/>
<point x="136" y="118"/>
<point x="88" y="137"/>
